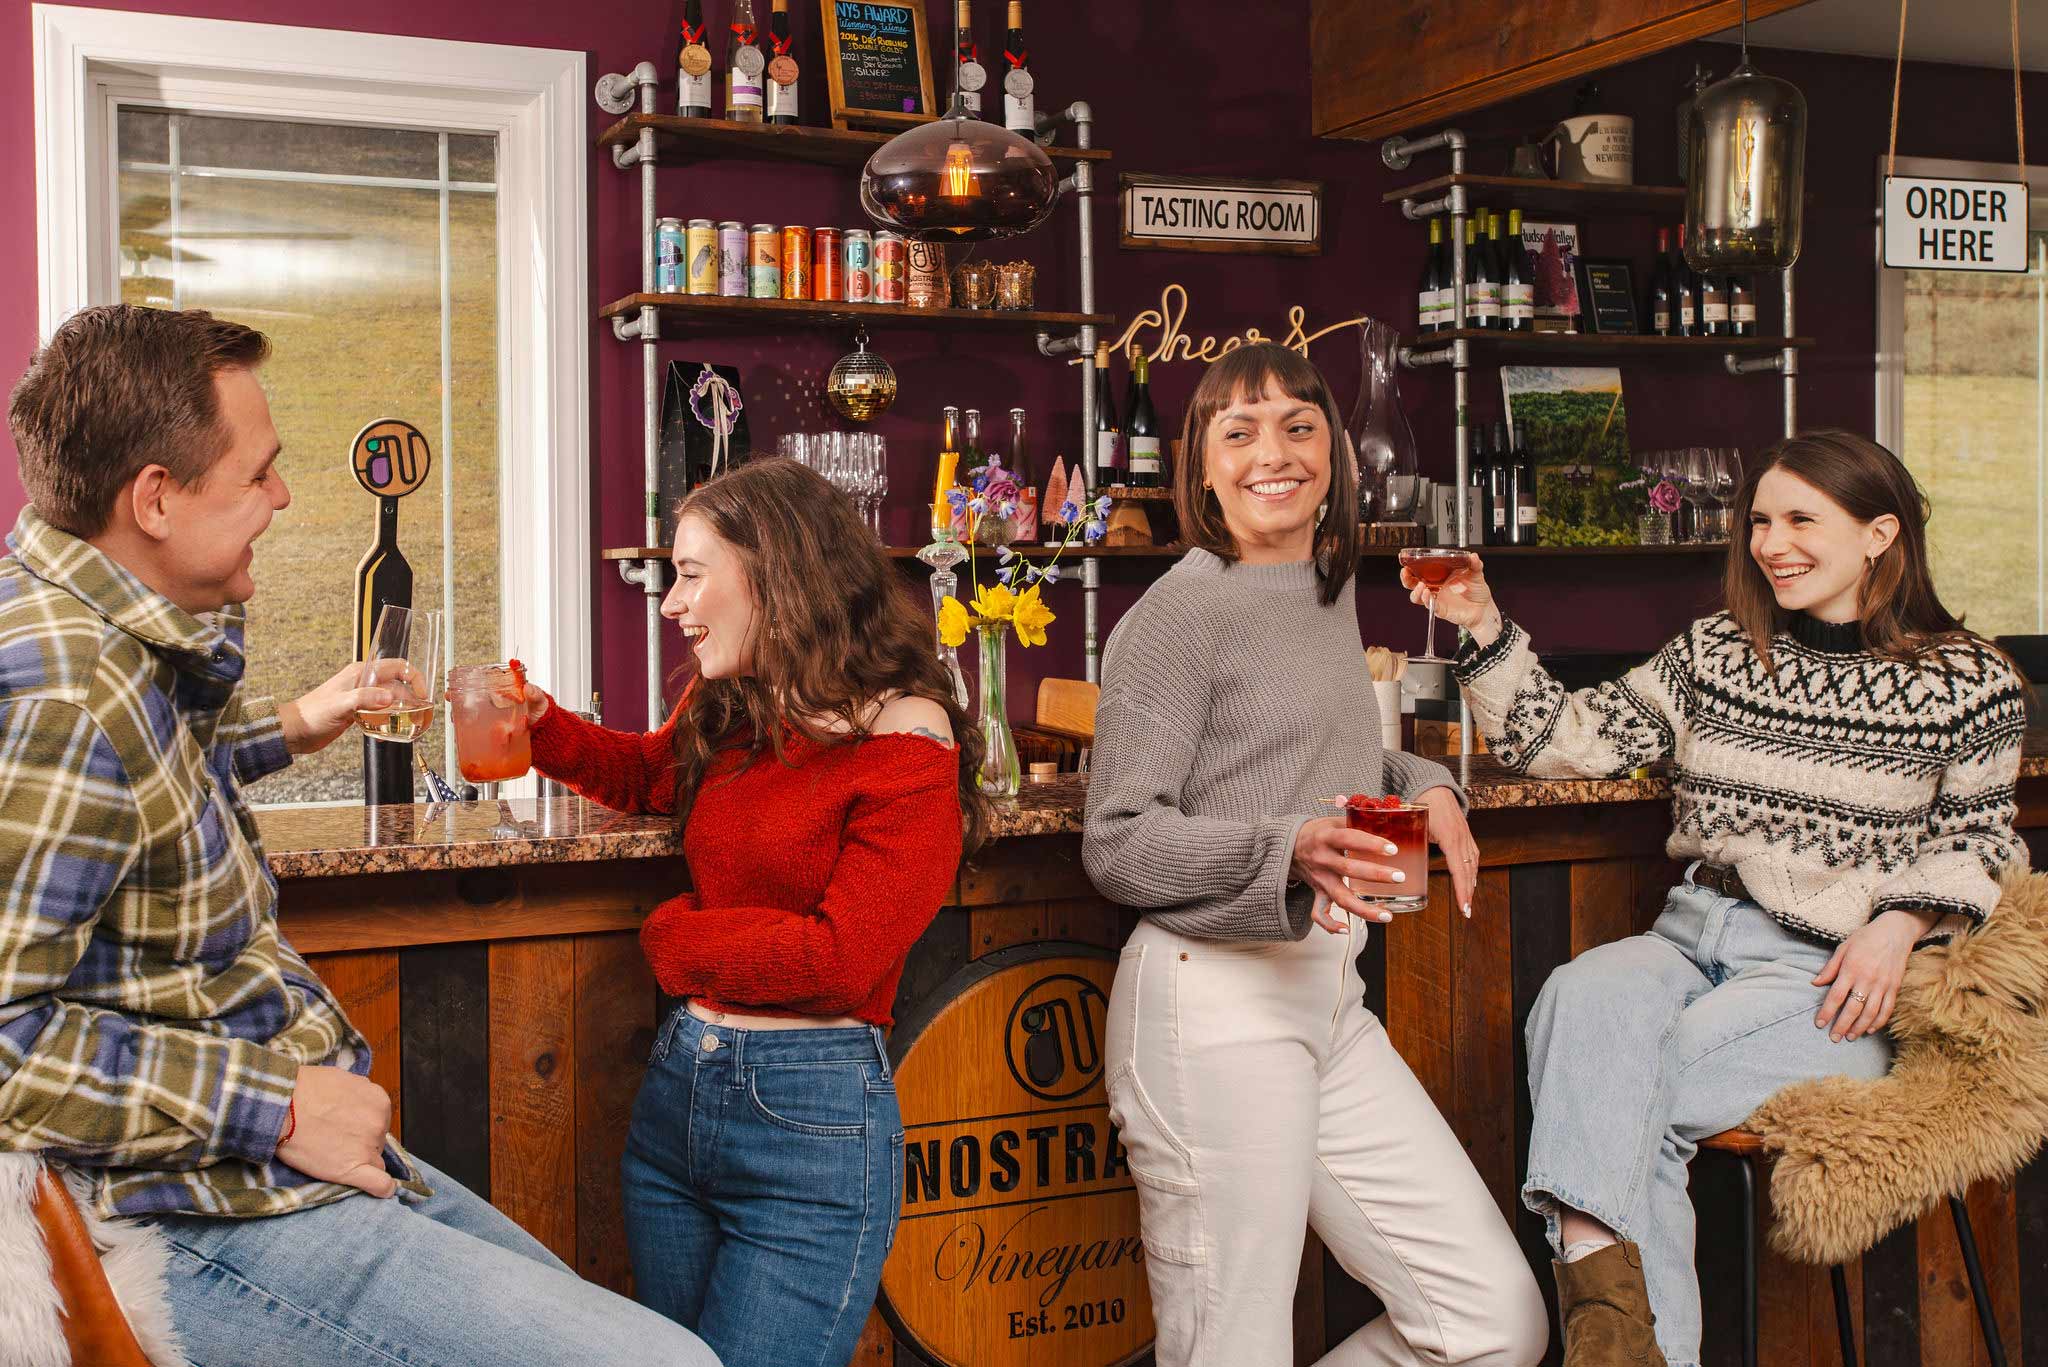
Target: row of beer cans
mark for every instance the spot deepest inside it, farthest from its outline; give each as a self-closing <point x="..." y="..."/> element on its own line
<point x="834" y="265"/>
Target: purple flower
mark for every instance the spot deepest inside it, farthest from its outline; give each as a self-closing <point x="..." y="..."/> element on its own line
<point x="1070" y="511"/>
<point x="957" y="497"/>
<point x="1007" y="509"/>
<point x="977" y="505"/>
<point x="1052" y="574"/>
<point x="1095" y="531"/>
<point x="1004" y="555"/>
<point x="1102" y="506"/>
<point x="981" y="480"/>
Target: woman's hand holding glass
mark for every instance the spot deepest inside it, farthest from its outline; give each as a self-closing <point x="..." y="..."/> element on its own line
<point x="1453" y="836"/>
<point x="1464" y="601"/>
<point x="1326" y="852"/>
<point x="1865" y="973"/>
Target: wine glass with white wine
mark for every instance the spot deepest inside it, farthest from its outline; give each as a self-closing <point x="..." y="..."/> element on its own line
<point x="404" y="657"/>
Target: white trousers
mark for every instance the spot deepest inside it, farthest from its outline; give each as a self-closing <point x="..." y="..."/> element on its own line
<point x="1258" y="1097"/>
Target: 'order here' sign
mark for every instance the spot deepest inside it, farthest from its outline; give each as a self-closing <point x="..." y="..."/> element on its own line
<point x="1955" y="225"/>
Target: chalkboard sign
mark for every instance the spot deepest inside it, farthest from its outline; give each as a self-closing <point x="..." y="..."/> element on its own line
<point x="877" y="63"/>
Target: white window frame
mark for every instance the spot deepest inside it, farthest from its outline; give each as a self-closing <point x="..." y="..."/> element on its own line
<point x="88" y="61"/>
<point x="1889" y="422"/>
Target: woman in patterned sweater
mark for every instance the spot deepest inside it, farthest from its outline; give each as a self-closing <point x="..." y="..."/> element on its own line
<point x="1843" y="757"/>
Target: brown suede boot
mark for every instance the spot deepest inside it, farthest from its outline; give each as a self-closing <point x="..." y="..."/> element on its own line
<point x="1605" y="1310"/>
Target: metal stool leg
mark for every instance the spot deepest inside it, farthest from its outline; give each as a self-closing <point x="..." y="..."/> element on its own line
<point x="1979" y="1292"/>
<point x="1749" y="1259"/>
<point x="1845" y="1324"/>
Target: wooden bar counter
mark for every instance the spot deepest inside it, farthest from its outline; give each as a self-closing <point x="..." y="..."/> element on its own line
<point x="489" y="953"/>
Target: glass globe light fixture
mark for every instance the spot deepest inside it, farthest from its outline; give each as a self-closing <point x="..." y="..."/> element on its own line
<point x="1746" y="191"/>
<point x="959" y="179"/>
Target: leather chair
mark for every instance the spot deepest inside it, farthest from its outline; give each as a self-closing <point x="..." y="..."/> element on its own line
<point x="94" y="1327"/>
<point x="1747" y="1150"/>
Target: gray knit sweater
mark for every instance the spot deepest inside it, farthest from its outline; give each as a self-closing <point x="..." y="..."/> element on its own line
<point x="1231" y="701"/>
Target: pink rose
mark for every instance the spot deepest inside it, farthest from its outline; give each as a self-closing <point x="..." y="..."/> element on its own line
<point x="1664" y="498"/>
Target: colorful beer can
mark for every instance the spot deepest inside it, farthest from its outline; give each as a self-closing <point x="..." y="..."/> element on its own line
<point x="892" y="268"/>
<point x="857" y="253"/>
<point x="732" y="260"/>
<point x="828" y="268"/>
<point x="928" y="288"/>
<point x="700" y="248"/>
<point x="796" y="262"/>
<point x="668" y="256"/>
<point x="764" y="262"/>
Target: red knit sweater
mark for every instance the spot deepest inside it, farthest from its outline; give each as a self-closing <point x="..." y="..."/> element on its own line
<point x="812" y="879"/>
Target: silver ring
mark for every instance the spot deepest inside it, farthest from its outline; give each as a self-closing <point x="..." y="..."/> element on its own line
<point x="1859" y="996"/>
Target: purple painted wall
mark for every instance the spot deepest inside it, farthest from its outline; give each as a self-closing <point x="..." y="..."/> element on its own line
<point x="1206" y="111"/>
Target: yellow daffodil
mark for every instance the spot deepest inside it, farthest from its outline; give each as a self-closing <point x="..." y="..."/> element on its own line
<point x="996" y="604"/>
<point x="1032" y="617"/>
<point x="952" y="621"/>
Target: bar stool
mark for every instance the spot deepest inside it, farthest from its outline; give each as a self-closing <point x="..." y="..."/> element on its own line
<point x="1746" y="1149"/>
<point x="94" y="1327"/>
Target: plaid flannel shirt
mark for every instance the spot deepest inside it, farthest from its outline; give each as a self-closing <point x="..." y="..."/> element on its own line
<point x="152" y="1018"/>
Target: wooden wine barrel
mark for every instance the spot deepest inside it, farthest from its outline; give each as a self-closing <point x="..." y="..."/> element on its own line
<point x="1018" y="1242"/>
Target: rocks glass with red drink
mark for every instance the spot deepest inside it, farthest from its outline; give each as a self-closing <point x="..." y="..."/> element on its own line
<point x="1433" y="567"/>
<point x="487" y="708"/>
<point x="1405" y="826"/>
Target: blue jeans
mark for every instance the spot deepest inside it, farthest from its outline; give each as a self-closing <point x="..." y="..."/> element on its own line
<point x="440" y="1281"/>
<point x="763" y="1176"/>
<point x="1640" y="1048"/>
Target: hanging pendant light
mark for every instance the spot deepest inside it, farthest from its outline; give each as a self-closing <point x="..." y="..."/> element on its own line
<point x="959" y="179"/>
<point x="1746" y="189"/>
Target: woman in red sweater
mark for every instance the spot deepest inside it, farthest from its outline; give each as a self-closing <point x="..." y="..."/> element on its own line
<point x="823" y="777"/>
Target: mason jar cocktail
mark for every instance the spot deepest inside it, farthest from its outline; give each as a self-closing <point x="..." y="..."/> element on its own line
<point x="487" y="709"/>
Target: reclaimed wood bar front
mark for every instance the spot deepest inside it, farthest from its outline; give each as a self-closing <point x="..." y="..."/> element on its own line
<point x="490" y="954"/>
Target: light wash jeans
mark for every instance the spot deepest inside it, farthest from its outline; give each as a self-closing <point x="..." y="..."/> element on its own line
<point x="441" y="1281"/>
<point x="763" y="1180"/>
<point x="1640" y="1048"/>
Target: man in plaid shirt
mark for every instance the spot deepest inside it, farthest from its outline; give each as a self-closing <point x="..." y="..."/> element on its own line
<point x="157" y="1033"/>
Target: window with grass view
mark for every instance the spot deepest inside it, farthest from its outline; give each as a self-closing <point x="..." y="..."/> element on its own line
<point x="369" y="257"/>
<point x="1975" y="435"/>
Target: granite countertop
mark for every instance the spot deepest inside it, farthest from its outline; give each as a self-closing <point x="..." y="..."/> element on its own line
<point x="329" y="842"/>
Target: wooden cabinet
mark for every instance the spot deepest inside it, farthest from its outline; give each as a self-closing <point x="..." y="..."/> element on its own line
<point x="1392" y="66"/>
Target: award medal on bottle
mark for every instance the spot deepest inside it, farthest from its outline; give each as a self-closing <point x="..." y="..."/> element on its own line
<point x="696" y="58"/>
<point x="1019" y="84"/>
<point x="783" y="69"/>
<point x="749" y="59"/>
<point x="973" y="76"/>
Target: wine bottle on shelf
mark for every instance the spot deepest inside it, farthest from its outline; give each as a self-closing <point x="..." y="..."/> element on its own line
<point x="1020" y="107"/>
<point x="383" y="578"/>
<point x="1522" y="506"/>
<point x="1141" y="429"/>
<point x="1741" y="307"/>
<point x="1497" y="472"/>
<point x="743" y="67"/>
<point x="969" y="74"/>
<point x="1517" y="280"/>
<point x="1020" y="470"/>
<point x="780" y="87"/>
<point x="1477" y="471"/>
<point x="1433" y="298"/>
<point x="1109" y="436"/>
<point x="1482" y="286"/>
<point x="1685" y="289"/>
<point x="972" y="457"/>
<point x="693" y="66"/>
<point x="1714" y="305"/>
<point x="1660" y="287"/>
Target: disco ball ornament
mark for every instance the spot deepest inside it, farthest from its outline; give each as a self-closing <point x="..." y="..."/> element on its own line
<point x="862" y="385"/>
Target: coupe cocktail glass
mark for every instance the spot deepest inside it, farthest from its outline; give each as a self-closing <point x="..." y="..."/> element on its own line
<point x="1434" y="566"/>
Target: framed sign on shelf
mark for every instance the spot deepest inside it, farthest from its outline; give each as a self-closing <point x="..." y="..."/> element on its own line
<point x="1607" y="297"/>
<point x="1221" y="214"/>
<point x="878" y="67"/>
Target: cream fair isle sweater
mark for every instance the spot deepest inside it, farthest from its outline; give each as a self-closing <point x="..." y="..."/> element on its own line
<point x="1837" y="783"/>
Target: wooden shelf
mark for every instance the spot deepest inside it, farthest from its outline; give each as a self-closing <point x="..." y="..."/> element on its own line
<point x="1550" y="196"/>
<point x="1564" y="345"/>
<point x="775" y="142"/>
<point x="1167" y="553"/>
<point x="714" y="310"/>
<point x="1131" y="493"/>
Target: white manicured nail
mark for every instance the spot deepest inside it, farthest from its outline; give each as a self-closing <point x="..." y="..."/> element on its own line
<point x="1400" y="877"/>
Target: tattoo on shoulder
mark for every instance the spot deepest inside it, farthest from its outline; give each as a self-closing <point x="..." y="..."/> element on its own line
<point x="927" y="732"/>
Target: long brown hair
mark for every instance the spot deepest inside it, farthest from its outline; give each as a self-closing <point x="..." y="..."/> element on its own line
<point x="1900" y="615"/>
<point x="1254" y="372"/>
<point x="835" y="629"/>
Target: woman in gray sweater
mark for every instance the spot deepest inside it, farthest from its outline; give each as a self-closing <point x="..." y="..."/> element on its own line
<point x="1255" y="1093"/>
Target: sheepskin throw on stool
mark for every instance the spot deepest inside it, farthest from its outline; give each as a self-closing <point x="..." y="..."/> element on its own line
<point x="1966" y="1100"/>
<point x="132" y="1255"/>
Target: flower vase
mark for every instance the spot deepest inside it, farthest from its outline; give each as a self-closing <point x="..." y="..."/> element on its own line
<point x="1653" y="529"/>
<point x="1379" y="431"/>
<point x="1000" y="771"/>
